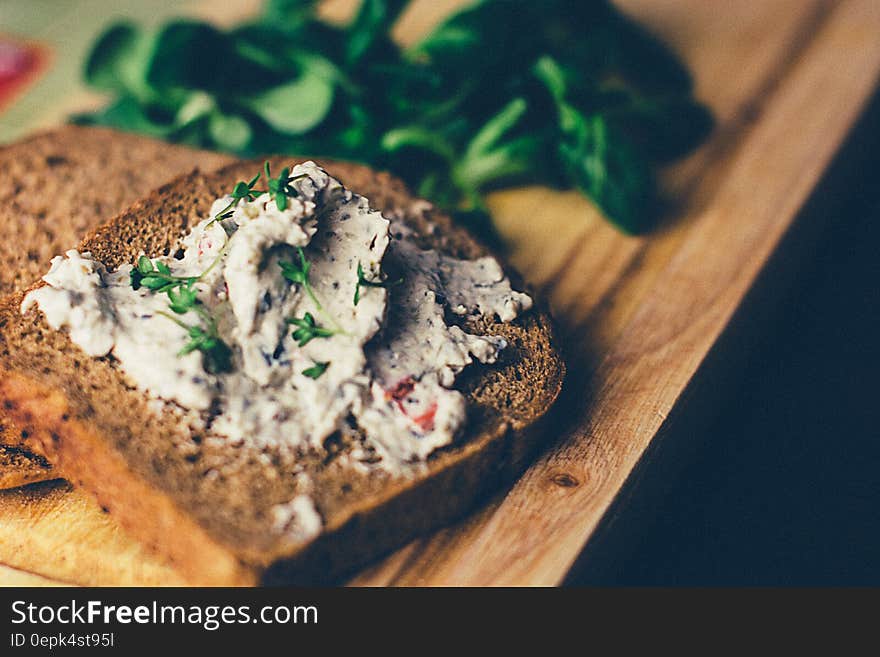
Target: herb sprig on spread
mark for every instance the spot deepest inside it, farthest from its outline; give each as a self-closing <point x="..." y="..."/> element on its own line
<point x="307" y="329"/>
<point x="182" y="298"/>
<point x="363" y="281"/>
<point x="279" y="188"/>
<point x="157" y="277"/>
<point x="216" y="353"/>
<point x="316" y="370"/>
<point x="569" y="93"/>
<point x="299" y="273"/>
<point x="242" y="191"/>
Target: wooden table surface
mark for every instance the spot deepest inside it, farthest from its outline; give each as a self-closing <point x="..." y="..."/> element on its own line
<point x="786" y="80"/>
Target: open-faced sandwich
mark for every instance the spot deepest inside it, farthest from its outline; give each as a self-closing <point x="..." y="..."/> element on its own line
<point x="275" y="372"/>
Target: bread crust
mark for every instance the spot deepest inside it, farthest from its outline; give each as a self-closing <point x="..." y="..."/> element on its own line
<point x="155" y="479"/>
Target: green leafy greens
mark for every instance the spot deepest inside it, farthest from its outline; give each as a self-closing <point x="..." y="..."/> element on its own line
<point x="279" y="188"/>
<point x="570" y="93"/>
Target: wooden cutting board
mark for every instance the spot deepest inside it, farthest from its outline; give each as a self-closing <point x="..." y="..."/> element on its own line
<point x="644" y="317"/>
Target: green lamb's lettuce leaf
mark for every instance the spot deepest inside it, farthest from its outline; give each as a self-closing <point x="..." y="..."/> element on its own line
<point x="665" y="127"/>
<point x="103" y="66"/>
<point x="604" y="166"/>
<point x="489" y="158"/>
<point x="229" y="131"/>
<point x="295" y="107"/>
<point x="119" y="64"/>
<point x="418" y="137"/>
<point x="596" y="158"/>
<point x="198" y="106"/>
<point x="475" y="38"/>
<point x="187" y="54"/>
<point x="290" y="13"/>
<point x="369" y="30"/>
<point x="126" y="113"/>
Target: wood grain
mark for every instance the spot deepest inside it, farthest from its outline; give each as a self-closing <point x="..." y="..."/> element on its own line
<point x="649" y="327"/>
<point x="61" y="534"/>
<point x="13" y="577"/>
<point x="786" y="80"/>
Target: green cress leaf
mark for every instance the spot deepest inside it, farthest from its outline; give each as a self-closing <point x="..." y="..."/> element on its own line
<point x="182" y="299"/>
<point x="296" y="273"/>
<point x="241" y="191"/>
<point x="316" y="370"/>
<point x="294" y="107"/>
<point x="363" y="281"/>
<point x="153" y="283"/>
<point x="307" y="329"/>
<point x="299" y="273"/>
<point x="280" y="189"/>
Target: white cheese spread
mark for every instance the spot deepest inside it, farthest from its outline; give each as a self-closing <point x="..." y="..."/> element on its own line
<point x="386" y="364"/>
<point x="298" y="519"/>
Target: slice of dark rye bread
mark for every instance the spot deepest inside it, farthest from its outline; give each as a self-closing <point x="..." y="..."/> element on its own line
<point x="206" y="508"/>
<point x="54" y="187"/>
